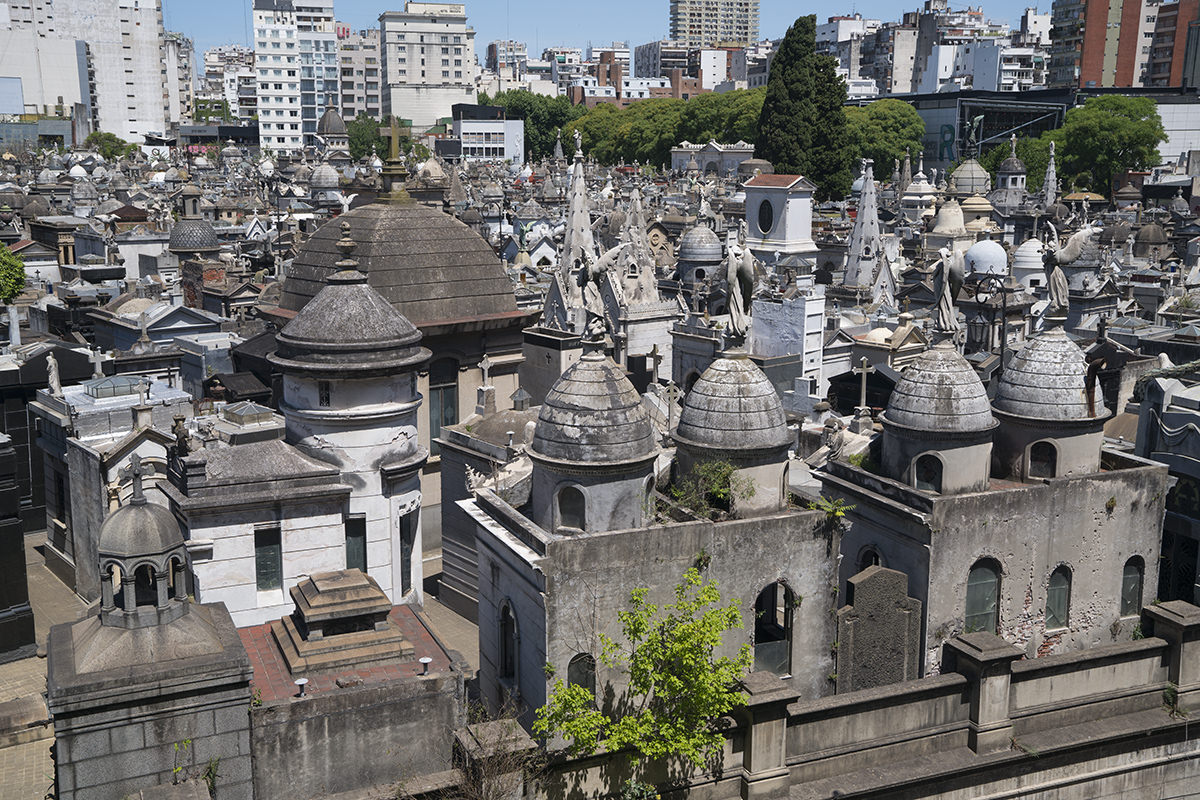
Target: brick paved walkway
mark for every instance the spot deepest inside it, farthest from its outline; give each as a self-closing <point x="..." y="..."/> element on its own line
<point x="26" y="771"/>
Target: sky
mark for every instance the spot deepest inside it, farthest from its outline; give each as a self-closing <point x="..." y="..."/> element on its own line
<point x="545" y="23"/>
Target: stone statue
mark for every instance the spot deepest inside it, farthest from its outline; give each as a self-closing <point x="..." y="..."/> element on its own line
<point x="53" y="379"/>
<point x="833" y="438"/>
<point x="1056" y="257"/>
<point x="947" y="280"/>
<point x="578" y="143"/>
<point x="739" y="279"/>
<point x="590" y="272"/>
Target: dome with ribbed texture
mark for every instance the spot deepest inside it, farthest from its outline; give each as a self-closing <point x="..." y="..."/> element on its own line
<point x="971" y="178"/>
<point x="733" y="406"/>
<point x="139" y="529"/>
<point x="939" y="392"/>
<point x="193" y="236"/>
<point x="700" y="244"/>
<point x="324" y="177"/>
<point x="593" y="416"/>
<point x="1046" y="380"/>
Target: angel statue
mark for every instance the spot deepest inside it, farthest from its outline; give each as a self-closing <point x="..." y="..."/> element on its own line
<point x="590" y="272"/>
<point x="1056" y="256"/>
<point x="947" y="280"/>
<point x="739" y="279"/>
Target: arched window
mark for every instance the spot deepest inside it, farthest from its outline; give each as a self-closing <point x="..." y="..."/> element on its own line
<point x="443" y="398"/>
<point x="144" y="590"/>
<point x="1131" y="587"/>
<point x="581" y="671"/>
<point x="572" y="508"/>
<point x="869" y="558"/>
<point x="773" y="630"/>
<point x="927" y="473"/>
<point x="983" y="597"/>
<point x="1058" y="599"/>
<point x="507" y="665"/>
<point x="1043" y="460"/>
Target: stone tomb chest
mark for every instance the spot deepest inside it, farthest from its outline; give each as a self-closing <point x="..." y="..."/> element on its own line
<point x="341" y="620"/>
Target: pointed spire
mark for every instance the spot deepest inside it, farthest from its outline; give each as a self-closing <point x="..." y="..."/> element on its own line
<point x="863" y="253"/>
<point x="1050" y="184"/>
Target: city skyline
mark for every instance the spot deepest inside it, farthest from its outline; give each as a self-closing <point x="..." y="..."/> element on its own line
<point x="535" y="22"/>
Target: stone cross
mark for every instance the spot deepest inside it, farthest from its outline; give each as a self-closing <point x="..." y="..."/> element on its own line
<point x="144" y="390"/>
<point x="134" y="473"/>
<point x="656" y="358"/>
<point x="485" y="365"/>
<point x="864" y="370"/>
<point x="97" y="363"/>
<point x="672" y="396"/>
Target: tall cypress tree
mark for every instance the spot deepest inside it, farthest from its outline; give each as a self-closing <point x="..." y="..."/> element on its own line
<point x="802" y="129"/>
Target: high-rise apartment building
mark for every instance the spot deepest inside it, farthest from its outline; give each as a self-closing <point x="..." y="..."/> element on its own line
<point x="1097" y="43"/>
<point x="179" y="59"/>
<point x="428" y="61"/>
<point x="507" y="58"/>
<point x="708" y="23"/>
<point x="360" y="61"/>
<point x="1168" y="50"/>
<point x="295" y="55"/>
<point x="125" y="44"/>
<point x="229" y="88"/>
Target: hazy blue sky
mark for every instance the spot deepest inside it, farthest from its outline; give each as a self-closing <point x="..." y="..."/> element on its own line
<point x="541" y="23"/>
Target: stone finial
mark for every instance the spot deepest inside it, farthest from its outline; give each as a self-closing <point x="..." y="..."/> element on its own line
<point x="346" y="246"/>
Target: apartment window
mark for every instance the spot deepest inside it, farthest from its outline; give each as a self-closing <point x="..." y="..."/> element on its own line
<point x="356" y="543"/>
<point x="268" y="559"/>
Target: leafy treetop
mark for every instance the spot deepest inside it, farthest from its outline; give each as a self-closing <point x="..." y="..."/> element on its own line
<point x="883" y="130"/>
<point x="12" y="275"/>
<point x="677" y="683"/>
<point x="109" y="145"/>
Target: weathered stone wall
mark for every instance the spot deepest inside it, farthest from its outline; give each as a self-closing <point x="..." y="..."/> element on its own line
<point x="356" y="737"/>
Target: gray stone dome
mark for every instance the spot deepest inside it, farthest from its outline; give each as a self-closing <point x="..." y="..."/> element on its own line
<point x="324" y="177"/>
<point x="986" y="256"/>
<point x="348" y="327"/>
<point x="593" y="416"/>
<point x="139" y="529"/>
<point x="331" y="124"/>
<point x="733" y="406"/>
<point x="1046" y="380"/>
<point x="1150" y="234"/>
<point x="1011" y="166"/>
<point x="193" y="236"/>
<point x="699" y="245"/>
<point x="940" y="392"/>
<point x="971" y="178"/>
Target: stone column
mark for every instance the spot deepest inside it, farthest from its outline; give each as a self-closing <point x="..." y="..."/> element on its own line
<point x="764" y="760"/>
<point x="128" y="592"/>
<point x="1178" y="622"/>
<point x="492" y="757"/>
<point x="985" y="660"/>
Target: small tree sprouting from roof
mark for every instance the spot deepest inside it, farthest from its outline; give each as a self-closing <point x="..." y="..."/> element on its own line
<point x="677" y="683"/>
<point x="12" y="275"/>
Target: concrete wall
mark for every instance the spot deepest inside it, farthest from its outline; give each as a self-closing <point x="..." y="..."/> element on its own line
<point x="356" y="737"/>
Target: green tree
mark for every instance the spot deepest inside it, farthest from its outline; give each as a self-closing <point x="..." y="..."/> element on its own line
<point x="12" y="275"/>
<point x="364" y="138"/>
<point x="543" y="117"/>
<point x="802" y="129"/>
<point x="882" y="130"/>
<point x="109" y="145"/>
<point x="677" y="683"/>
<point x="1106" y="136"/>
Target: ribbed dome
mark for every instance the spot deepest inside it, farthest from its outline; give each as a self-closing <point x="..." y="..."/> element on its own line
<point x="1029" y="255"/>
<point x="939" y="392"/>
<point x="1011" y="166"/>
<point x="986" y="256"/>
<point x="331" y="124"/>
<point x="348" y="327"/>
<point x="949" y="220"/>
<point x="700" y="244"/>
<point x="971" y="178"/>
<point x="324" y="177"/>
<point x="1046" y="380"/>
<point x="1151" y="233"/>
<point x="733" y="407"/>
<point x="593" y="415"/>
<point x="193" y="236"/>
<point x="1115" y="233"/>
<point x="139" y="529"/>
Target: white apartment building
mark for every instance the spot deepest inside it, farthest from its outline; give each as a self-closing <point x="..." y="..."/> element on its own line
<point x="566" y="65"/>
<point x="52" y="71"/>
<point x="507" y="59"/>
<point x="295" y="55"/>
<point x="229" y="77"/>
<point x="428" y="61"/>
<point x="359" y="59"/>
<point x="126" y="46"/>
<point x="489" y="139"/>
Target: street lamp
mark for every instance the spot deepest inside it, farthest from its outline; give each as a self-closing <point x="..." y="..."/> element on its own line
<point x="988" y="286"/>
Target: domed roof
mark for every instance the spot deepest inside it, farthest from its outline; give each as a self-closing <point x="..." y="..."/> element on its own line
<point x="1115" y="233"/>
<point x="193" y="236"/>
<point x="426" y="263"/>
<point x="971" y="178"/>
<point x="939" y="392"/>
<point x="324" y="177"/>
<point x="1029" y="254"/>
<point x="733" y="407"/>
<point x="139" y="529"/>
<point x="1011" y="166"/>
<point x="700" y="244"/>
<point x="1151" y="233"/>
<point x="1046" y="380"/>
<point x="986" y="256"/>
<point x="77" y="171"/>
<point x="348" y="326"/>
<point x="331" y="124"/>
<point x="949" y="220"/>
<point x="593" y="415"/>
<point x="977" y="204"/>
